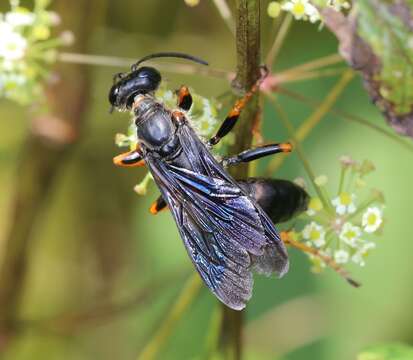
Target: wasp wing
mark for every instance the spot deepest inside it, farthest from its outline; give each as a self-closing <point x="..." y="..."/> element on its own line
<point x="225" y="232"/>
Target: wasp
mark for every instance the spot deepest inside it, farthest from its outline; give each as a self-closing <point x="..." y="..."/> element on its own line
<point x="227" y="226"/>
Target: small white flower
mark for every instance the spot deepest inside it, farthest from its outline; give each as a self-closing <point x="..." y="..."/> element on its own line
<point x="341" y="256"/>
<point x="359" y="256"/>
<point x="314" y="206"/>
<point x="301" y="9"/>
<point x="315" y="233"/>
<point x="205" y="125"/>
<point x="313" y="14"/>
<point x="344" y="203"/>
<point x="338" y="5"/>
<point x="358" y="259"/>
<point x="350" y="234"/>
<point x="12" y="44"/>
<point x="20" y="18"/>
<point x="372" y="219"/>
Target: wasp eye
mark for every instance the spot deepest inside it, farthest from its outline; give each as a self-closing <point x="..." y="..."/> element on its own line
<point x="113" y="94"/>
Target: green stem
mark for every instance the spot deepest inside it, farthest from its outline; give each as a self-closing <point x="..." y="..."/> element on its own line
<point x="346" y="116"/>
<point x="114" y="61"/>
<point x="291" y="132"/>
<point x="188" y="295"/>
<point x="342" y="177"/>
<point x="226" y="15"/>
<point x="316" y="116"/>
<point x="279" y="41"/>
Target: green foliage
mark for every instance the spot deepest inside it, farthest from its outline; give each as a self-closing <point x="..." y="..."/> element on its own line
<point x="387" y="352"/>
<point x="381" y="25"/>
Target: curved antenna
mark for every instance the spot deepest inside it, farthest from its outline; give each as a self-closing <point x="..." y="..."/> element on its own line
<point x="171" y="55"/>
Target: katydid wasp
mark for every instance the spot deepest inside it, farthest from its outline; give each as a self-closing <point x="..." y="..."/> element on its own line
<point x="227" y="226"/>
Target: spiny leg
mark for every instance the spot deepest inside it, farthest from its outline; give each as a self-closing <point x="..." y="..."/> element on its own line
<point x="129" y="159"/>
<point x="184" y="98"/>
<point x="257" y="153"/>
<point x="158" y="205"/>
<point x="235" y="112"/>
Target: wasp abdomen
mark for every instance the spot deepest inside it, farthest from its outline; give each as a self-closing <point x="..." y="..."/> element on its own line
<point x="280" y="199"/>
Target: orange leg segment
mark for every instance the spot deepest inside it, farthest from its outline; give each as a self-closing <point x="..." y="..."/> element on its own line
<point x="235" y="112"/>
<point x="158" y="205"/>
<point x="184" y="98"/>
<point x="129" y="159"/>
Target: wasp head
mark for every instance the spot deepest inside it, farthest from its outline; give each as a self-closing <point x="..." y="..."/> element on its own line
<point x="144" y="80"/>
<point x="140" y="80"/>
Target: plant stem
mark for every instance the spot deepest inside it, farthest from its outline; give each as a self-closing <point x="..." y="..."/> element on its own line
<point x="248" y="71"/>
<point x="319" y="113"/>
<point x="114" y="61"/>
<point x="297" y="145"/>
<point x="225" y="12"/>
<point x="188" y="295"/>
<point x="347" y="116"/>
<point x="327" y="259"/>
<point x="278" y="41"/>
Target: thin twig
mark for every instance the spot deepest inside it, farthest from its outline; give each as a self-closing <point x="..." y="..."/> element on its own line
<point x="188" y="295"/>
<point x="347" y="116"/>
<point x="314" y="64"/>
<point x="114" y="61"/>
<point x="277" y="79"/>
<point x="226" y="14"/>
<point x="326" y="259"/>
<point x="278" y="41"/>
<point x="309" y="124"/>
<point x="297" y="146"/>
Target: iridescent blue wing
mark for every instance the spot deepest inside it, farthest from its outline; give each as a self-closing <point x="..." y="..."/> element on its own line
<point x="226" y="234"/>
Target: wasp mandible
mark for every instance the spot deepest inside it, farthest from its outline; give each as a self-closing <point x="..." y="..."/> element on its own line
<point x="225" y="224"/>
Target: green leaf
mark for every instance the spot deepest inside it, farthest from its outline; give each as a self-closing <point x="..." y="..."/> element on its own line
<point x="376" y="39"/>
<point x="384" y="26"/>
<point x="387" y="352"/>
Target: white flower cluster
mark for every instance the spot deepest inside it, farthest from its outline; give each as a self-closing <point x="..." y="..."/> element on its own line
<point x="25" y="50"/>
<point x="305" y="9"/>
<point x="342" y="228"/>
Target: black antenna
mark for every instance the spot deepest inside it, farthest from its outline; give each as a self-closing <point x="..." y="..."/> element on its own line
<point x="171" y="55"/>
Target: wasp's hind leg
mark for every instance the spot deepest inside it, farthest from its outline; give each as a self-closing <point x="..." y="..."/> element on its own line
<point x="235" y="112"/>
<point x="184" y="98"/>
<point x="158" y="205"/>
<point x="257" y="153"/>
<point x="129" y="159"/>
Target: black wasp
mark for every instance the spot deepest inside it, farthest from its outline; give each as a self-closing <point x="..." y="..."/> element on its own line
<point x="227" y="226"/>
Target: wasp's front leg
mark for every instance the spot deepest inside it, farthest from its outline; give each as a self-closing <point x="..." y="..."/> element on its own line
<point x="158" y="205"/>
<point x="184" y="98"/>
<point x="132" y="158"/>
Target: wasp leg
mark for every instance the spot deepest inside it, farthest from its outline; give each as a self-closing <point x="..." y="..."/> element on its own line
<point x="184" y="98"/>
<point x="235" y="112"/>
<point x="129" y="159"/>
<point x="257" y="153"/>
<point x="158" y="205"/>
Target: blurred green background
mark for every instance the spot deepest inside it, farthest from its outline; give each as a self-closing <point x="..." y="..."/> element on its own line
<point x="96" y="243"/>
